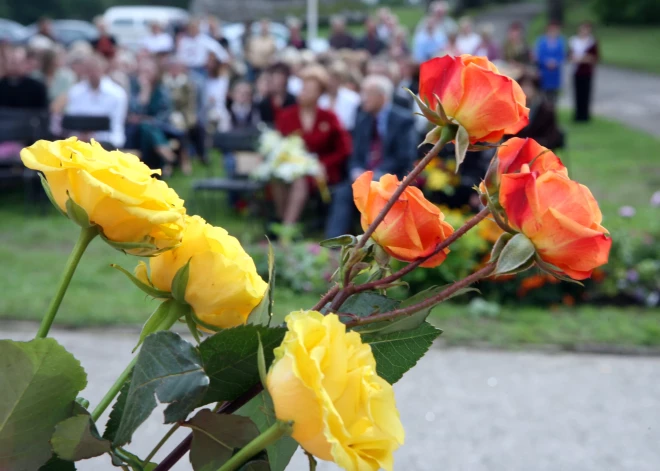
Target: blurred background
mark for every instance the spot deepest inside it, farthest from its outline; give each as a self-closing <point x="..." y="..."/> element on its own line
<point x="529" y="373"/>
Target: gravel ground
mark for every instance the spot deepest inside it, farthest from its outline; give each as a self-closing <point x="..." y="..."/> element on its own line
<point x="469" y="410"/>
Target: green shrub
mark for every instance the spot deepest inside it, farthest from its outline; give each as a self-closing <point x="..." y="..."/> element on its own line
<point x="638" y="12"/>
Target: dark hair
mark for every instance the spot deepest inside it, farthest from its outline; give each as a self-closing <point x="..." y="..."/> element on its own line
<point x="532" y="78"/>
<point x="279" y="67"/>
<point x="554" y="23"/>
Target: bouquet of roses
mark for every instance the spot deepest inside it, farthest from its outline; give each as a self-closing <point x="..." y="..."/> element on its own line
<point x="248" y="390"/>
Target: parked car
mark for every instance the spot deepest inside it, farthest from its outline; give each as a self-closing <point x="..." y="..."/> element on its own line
<point x="68" y="31"/>
<point x="12" y="31"/>
<point x="130" y="24"/>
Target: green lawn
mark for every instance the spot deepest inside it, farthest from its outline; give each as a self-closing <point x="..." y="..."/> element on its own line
<point x="617" y="163"/>
<point x="633" y="47"/>
<point x="586" y="325"/>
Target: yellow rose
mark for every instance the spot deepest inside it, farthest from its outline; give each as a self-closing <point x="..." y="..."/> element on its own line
<point x="324" y="380"/>
<point x="134" y="210"/>
<point x="223" y="283"/>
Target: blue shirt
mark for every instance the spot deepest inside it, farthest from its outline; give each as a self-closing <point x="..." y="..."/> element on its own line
<point x="550" y="50"/>
<point x="427" y="46"/>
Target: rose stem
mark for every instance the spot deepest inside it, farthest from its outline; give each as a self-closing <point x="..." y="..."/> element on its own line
<point x="86" y="236"/>
<point x="447" y="135"/>
<point x="276" y="431"/>
<point x="119" y="382"/>
<point x="446" y="293"/>
<point x="227" y="408"/>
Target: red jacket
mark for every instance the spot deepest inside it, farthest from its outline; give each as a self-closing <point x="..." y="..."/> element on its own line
<point x="327" y="139"/>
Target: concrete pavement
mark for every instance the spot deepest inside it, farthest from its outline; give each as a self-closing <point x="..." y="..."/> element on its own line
<point x="466" y="410"/>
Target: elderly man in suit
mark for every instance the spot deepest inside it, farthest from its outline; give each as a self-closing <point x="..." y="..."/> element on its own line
<point x="384" y="141"/>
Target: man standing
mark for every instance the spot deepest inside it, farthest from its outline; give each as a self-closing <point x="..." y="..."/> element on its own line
<point x="384" y="141"/>
<point x="158" y="41"/>
<point x="98" y="95"/>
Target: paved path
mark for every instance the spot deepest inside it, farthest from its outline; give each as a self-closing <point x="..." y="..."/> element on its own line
<point x="467" y="410"/>
<point x="630" y="97"/>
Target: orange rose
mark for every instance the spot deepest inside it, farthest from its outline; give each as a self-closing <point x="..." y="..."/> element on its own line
<point x="516" y="152"/>
<point x="475" y="95"/>
<point x="560" y="217"/>
<point x="412" y="228"/>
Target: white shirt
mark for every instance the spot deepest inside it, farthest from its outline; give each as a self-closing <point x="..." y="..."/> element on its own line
<point x="294" y="85"/>
<point x="158" y="43"/>
<point x="194" y="51"/>
<point x="109" y="99"/>
<point x="468" y="43"/>
<point x="345" y="106"/>
<point x="215" y="95"/>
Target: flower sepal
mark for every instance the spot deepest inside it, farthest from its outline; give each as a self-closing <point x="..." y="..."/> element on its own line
<point x="554" y="271"/>
<point x="138" y="249"/>
<point x="76" y="213"/>
<point x="515" y="256"/>
<point x="142" y="281"/>
<point x="163" y="318"/>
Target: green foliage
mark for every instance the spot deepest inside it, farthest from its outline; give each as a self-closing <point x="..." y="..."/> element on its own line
<point x="76" y="438"/>
<point x="230" y="359"/>
<point x="397" y="352"/>
<point x="366" y="303"/>
<point x="169" y="367"/>
<point x="117" y="412"/>
<point x="216" y="437"/>
<point x="630" y="12"/>
<point x="40" y="382"/>
<point x="57" y="464"/>
<point x="260" y="411"/>
<point x="303" y="267"/>
<point x="263" y="312"/>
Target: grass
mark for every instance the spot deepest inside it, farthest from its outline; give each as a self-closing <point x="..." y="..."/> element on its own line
<point x="617" y="163"/>
<point x="632" y="47"/>
<point x="585" y="325"/>
<point x="620" y="167"/>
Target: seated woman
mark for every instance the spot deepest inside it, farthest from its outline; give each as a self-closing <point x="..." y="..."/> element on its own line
<point x="323" y="136"/>
<point x="542" y="116"/>
<point x="148" y="125"/>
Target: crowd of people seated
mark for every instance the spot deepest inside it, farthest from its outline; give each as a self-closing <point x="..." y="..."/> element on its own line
<point x="166" y="100"/>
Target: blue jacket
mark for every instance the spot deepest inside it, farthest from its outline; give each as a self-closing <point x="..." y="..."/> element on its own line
<point x="547" y="51"/>
<point x="399" y="142"/>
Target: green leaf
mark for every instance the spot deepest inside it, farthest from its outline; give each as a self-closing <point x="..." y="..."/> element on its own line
<point x="76" y="438"/>
<point x="170" y="368"/>
<point x="117" y="411"/>
<point x="192" y="326"/>
<point x="180" y="282"/>
<point x="368" y="302"/>
<point x="165" y="315"/>
<point x="414" y="320"/>
<point x="216" y="437"/>
<point x="38" y="387"/>
<point x="57" y="464"/>
<point x="462" y="142"/>
<point x="46" y="186"/>
<point x="433" y="136"/>
<point x="515" y="255"/>
<point x="230" y="359"/>
<point x="346" y="240"/>
<point x="77" y="213"/>
<point x="397" y="352"/>
<point x="260" y="410"/>
<point x="499" y="246"/>
<point x="257" y="465"/>
<point x="148" y="289"/>
<point x="263" y="312"/>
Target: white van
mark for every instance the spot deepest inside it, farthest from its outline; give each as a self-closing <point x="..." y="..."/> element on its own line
<point x="129" y="25"/>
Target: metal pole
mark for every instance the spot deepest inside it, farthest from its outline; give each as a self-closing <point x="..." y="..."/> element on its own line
<point x="312" y="20"/>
